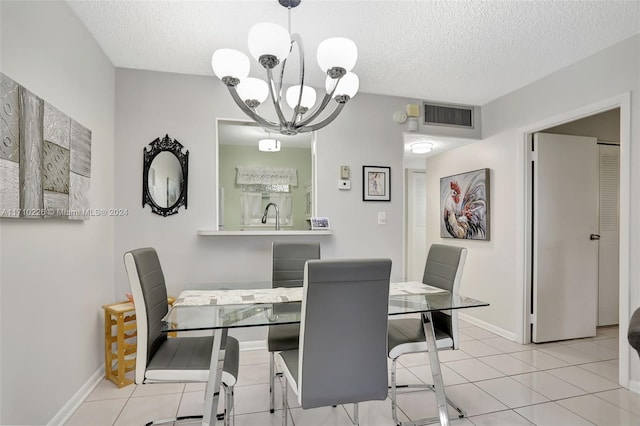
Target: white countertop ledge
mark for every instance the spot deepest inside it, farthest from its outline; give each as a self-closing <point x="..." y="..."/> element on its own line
<point x="271" y="233"/>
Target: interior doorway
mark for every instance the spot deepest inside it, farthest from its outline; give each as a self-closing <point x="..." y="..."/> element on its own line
<point x="524" y="236"/>
<point x="575" y="227"/>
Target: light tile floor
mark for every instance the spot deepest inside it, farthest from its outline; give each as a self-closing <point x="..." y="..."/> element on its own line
<point x="498" y="383"/>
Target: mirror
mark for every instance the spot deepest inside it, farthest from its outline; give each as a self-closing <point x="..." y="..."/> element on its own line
<point x="164" y="176"/>
<point x="250" y="179"/>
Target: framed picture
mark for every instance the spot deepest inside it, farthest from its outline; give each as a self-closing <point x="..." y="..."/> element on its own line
<point x="464" y="205"/>
<point x="319" y="223"/>
<point x="376" y="183"/>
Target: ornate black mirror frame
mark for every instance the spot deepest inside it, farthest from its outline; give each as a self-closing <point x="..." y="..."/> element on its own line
<point x="156" y="147"/>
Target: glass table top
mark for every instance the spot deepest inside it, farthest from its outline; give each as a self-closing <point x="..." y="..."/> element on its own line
<point x="255" y="307"/>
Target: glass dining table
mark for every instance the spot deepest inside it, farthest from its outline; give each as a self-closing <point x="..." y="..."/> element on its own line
<point x="259" y="305"/>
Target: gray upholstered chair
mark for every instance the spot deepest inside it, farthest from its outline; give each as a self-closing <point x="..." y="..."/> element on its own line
<point x="633" y="333"/>
<point x="160" y="359"/>
<point x="443" y="269"/>
<point x="342" y="357"/>
<point x="287" y="271"/>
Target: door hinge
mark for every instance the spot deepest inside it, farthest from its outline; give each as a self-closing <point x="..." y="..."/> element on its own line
<point x="532" y="319"/>
<point x="533" y="156"/>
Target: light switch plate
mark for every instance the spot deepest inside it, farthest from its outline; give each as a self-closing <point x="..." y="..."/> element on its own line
<point x="344" y="172"/>
<point x="382" y="218"/>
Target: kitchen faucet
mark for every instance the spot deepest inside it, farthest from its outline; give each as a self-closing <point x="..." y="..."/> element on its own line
<point x="266" y="210"/>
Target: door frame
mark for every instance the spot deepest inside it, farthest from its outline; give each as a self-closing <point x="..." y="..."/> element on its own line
<point x="524" y="237"/>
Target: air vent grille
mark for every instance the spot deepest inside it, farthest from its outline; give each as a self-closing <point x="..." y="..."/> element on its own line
<point x="448" y="115"/>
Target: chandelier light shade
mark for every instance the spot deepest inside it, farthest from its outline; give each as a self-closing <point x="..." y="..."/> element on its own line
<point x="271" y="45"/>
<point x="269" y="145"/>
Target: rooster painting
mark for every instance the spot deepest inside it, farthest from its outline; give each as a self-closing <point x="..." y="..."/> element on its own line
<point x="465" y="205"/>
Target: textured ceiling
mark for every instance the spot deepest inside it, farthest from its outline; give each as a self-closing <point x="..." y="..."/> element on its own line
<point x="467" y="52"/>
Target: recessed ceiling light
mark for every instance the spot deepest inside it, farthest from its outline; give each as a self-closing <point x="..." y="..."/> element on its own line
<point x="421" y="147"/>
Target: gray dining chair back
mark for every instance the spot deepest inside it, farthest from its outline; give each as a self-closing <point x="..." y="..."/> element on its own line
<point x="160" y="359"/>
<point x="287" y="271"/>
<point x="443" y="269"/>
<point x="288" y="262"/>
<point x="633" y="333"/>
<point x="342" y="356"/>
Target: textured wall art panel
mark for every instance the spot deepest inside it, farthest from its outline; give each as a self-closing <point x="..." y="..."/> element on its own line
<point x="80" y="149"/>
<point x="45" y="158"/>
<point x="9" y="188"/>
<point x="56" y="126"/>
<point x="56" y="204"/>
<point x="9" y="123"/>
<point x="79" y="197"/>
<point x="30" y="152"/>
<point x="55" y="168"/>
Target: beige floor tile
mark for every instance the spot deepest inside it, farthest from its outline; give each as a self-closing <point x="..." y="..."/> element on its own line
<point x="474" y="400"/>
<point x="473" y="370"/>
<point x="569" y="355"/>
<point x="511" y="393"/>
<point x="324" y="416"/>
<point x="507" y="364"/>
<point x="139" y="411"/>
<point x="158" y="389"/>
<point x="622" y="398"/>
<point x="539" y="359"/>
<point x="254" y="357"/>
<point x="551" y="414"/>
<point x="97" y="413"/>
<point x="420" y="405"/>
<point x="606" y="369"/>
<point x="261" y="419"/>
<point x="548" y="385"/>
<point x="599" y="411"/>
<point x="253" y="374"/>
<point x="501" y="418"/>
<point x="106" y="389"/>
<point x="596" y="350"/>
<point x="478" y="348"/>
<point x="449" y="377"/>
<point x="583" y="379"/>
<point x="507" y="346"/>
<point x="613" y="343"/>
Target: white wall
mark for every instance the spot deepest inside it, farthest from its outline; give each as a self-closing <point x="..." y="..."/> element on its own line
<point x="490" y="272"/>
<point x="151" y="104"/>
<point x="55" y="275"/>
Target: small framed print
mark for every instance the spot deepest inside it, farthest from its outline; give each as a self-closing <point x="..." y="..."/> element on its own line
<point x="319" y="223"/>
<point x="376" y="183"/>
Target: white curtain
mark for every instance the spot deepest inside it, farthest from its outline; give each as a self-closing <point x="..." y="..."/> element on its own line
<point x="283" y="201"/>
<point x="267" y="176"/>
<point x="251" y="206"/>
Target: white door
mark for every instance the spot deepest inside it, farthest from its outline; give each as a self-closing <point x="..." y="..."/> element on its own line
<point x="608" y="256"/>
<point x="416" y="224"/>
<point x="565" y="264"/>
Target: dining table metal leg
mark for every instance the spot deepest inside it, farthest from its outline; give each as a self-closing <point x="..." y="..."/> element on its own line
<point x="212" y="394"/>
<point x="436" y="373"/>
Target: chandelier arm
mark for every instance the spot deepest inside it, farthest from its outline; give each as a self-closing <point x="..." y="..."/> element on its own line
<point x="317" y="111"/>
<point x="324" y="122"/>
<point x="251" y="112"/>
<point x="320" y="107"/>
<point x="295" y="38"/>
<point x="274" y="98"/>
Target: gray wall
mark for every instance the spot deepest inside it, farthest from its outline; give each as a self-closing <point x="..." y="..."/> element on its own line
<point x="150" y="104"/>
<point x="491" y="269"/>
<point x="56" y="275"/>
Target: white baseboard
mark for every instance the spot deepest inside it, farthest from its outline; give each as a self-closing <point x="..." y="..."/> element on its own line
<point x="489" y="327"/>
<point x="72" y="405"/>
<point x="253" y="345"/>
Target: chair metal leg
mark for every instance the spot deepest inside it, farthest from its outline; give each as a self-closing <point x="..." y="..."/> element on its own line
<point x="229" y="418"/>
<point x="393" y="392"/>
<point x="438" y="384"/>
<point x="285" y="401"/>
<point x="272" y="377"/>
<point x="356" y="420"/>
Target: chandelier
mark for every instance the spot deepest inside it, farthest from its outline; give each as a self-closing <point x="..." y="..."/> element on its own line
<point x="270" y="45"/>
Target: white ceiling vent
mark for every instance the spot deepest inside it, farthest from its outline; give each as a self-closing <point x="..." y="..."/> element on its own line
<point x="448" y="115"/>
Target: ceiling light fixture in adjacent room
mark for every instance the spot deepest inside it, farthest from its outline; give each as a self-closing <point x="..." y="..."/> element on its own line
<point x="270" y="45"/>
<point x="421" y="147"/>
<point x="269" y="145"/>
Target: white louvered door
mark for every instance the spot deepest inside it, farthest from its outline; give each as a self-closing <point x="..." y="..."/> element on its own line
<point x="608" y="285"/>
